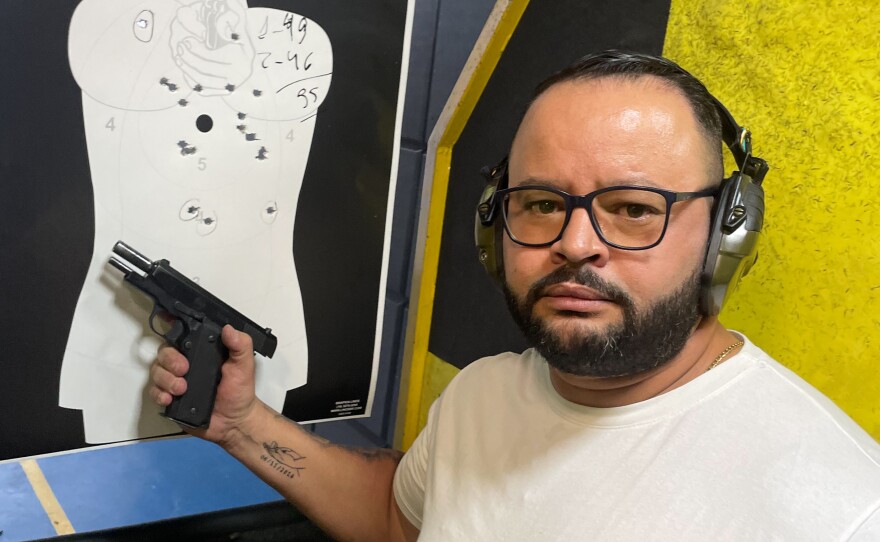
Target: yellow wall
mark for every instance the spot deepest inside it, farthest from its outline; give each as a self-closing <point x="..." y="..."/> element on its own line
<point x="805" y="78"/>
<point x="428" y="374"/>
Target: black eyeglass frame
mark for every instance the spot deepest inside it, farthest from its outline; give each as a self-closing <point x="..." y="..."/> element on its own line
<point x="586" y="202"/>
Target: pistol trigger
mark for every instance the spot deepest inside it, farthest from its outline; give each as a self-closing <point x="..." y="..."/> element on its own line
<point x="177" y="330"/>
<point x="173" y="333"/>
<point x="153" y="316"/>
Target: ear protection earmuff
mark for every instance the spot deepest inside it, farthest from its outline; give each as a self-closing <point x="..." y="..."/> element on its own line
<point x="488" y="231"/>
<point x="737" y="219"/>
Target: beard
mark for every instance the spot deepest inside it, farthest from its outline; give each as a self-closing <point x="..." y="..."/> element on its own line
<point x="645" y="338"/>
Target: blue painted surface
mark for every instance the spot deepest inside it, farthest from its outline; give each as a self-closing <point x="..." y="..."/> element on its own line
<point x="149" y="481"/>
<point x="21" y="515"/>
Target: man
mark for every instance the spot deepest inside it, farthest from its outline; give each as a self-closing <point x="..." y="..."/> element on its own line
<point x="637" y="416"/>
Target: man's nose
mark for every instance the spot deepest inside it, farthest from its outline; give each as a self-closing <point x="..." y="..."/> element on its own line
<point x="580" y="242"/>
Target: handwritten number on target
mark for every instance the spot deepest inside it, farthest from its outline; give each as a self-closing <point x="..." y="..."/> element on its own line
<point x="287" y="24"/>
<point x="305" y="96"/>
<point x="302" y="28"/>
<point x="291" y="57"/>
<point x="294" y="57"/>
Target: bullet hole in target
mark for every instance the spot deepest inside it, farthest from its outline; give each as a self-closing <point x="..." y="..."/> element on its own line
<point x="204" y="123"/>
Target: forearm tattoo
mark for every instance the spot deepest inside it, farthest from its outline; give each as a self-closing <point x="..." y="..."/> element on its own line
<point x="284" y="460"/>
<point x="287" y="461"/>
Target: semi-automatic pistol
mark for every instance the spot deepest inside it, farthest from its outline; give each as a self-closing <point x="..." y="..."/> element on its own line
<point x="196" y="319"/>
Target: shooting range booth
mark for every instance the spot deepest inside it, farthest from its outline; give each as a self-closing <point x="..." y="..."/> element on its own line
<point x="359" y="129"/>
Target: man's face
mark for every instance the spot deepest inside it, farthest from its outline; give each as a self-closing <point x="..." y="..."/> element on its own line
<point x="591" y="309"/>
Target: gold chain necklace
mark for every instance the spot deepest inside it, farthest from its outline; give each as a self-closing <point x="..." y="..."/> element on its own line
<point x="723" y="354"/>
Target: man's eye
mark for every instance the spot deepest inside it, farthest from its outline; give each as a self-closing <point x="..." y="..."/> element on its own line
<point x="544" y="207"/>
<point x="637" y="210"/>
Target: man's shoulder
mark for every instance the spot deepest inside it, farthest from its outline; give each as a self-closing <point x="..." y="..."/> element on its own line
<point x="783" y="400"/>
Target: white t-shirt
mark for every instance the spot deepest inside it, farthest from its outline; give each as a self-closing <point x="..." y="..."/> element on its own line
<point x="746" y="452"/>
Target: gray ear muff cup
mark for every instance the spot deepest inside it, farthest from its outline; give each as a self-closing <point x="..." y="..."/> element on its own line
<point x="733" y="240"/>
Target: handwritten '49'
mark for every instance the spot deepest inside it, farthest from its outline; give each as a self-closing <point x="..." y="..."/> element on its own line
<point x="287" y="26"/>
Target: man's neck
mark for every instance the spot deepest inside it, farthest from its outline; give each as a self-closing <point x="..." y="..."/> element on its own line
<point x="709" y="340"/>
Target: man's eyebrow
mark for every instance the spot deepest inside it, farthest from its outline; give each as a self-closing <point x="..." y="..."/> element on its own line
<point x="565" y="185"/>
<point x="533" y="181"/>
<point x="630" y="182"/>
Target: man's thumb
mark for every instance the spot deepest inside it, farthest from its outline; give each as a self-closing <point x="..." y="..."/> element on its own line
<point x="240" y="345"/>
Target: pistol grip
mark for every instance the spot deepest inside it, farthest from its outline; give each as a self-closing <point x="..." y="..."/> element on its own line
<point x="204" y="349"/>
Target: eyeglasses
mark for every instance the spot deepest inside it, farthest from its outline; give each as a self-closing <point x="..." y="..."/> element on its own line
<point x="625" y="217"/>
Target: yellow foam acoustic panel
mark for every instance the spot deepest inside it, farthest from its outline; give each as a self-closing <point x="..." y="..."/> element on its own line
<point x="805" y="79"/>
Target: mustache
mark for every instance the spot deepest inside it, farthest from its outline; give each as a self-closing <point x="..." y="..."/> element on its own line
<point x="583" y="276"/>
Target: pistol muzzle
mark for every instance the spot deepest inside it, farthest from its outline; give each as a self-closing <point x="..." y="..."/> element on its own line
<point x="132" y="256"/>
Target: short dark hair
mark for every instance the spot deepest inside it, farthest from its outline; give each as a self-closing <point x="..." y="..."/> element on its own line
<point x="631" y="66"/>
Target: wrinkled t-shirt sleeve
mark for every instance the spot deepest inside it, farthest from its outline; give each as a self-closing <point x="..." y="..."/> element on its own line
<point x="411" y="475"/>
<point x="868" y="529"/>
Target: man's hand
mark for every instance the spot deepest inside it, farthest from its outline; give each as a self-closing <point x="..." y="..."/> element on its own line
<point x="346" y="492"/>
<point x="235" y="394"/>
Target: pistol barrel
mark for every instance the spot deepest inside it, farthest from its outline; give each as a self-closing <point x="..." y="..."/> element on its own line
<point x="132" y="256"/>
<point x="121" y="265"/>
